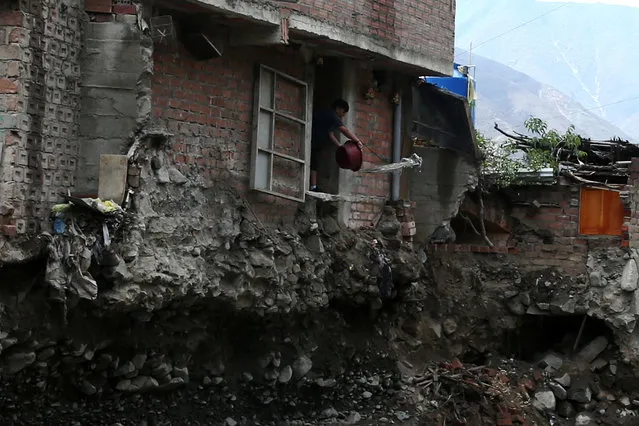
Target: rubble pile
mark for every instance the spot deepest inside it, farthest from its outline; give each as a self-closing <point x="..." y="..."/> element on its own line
<point x="584" y="387"/>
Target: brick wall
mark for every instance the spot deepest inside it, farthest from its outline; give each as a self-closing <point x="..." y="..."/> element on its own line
<point x="425" y="27"/>
<point x="40" y="44"/>
<point x="374" y="126"/>
<point x="208" y="106"/>
<point x="548" y="236"/>
<point x="559" y="216"/>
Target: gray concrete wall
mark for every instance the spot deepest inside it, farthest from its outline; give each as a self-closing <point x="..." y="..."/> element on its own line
<point x="347" y="178"/>
<point x="438" y="188"/>
<point x="112" y="65"/>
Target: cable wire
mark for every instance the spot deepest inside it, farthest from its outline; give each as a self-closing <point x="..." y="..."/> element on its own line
<point x="519" y="26"/>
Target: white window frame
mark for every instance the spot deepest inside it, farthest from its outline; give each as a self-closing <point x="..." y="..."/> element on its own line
<point x="263" y="157"/>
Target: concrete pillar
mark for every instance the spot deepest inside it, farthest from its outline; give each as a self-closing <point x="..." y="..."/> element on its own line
<point x="346" y="177"/>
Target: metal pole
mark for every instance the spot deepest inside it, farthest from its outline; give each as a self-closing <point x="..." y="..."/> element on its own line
<point x="397" y="147"/>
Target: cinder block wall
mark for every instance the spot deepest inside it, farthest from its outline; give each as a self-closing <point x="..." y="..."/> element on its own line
<point x="40" y="49"/>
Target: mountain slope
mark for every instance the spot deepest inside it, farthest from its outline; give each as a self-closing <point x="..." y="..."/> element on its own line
<point x="584" y="50"/>
<point x="509" y="97"/>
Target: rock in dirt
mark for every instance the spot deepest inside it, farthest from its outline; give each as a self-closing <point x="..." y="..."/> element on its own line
<point x="353" y="418"/>
<point x="630" y="276"/>
<point x="450" y="326"/>
<point x="176" y="176"/>
<point x="285" y="375"/>
<point x="139" y="360"/>
<point x="329" y="413"/>
<point x="302" y="366"/>
<point x="545" y="401"/>
<point x="564" y="380"/>
<point x="402" y="416"/>
<point x="126" y="368"/>
<point x="314" y="244"/>
<point x="331" y="227"/>
<point x="87" y="388"/>
<point x="566" y="410"/>
<point x="182" y="372"/>
<point x="584" y="419"/>
<point x="551" y="362"/>
<point x="18" y="361"/>
<point x="598" y="364"/>
<point x="516" y="306"/>
<point x="230" y="422"/>
<point x="559" y="391"/>
<point x="580" y="393"/>
<point x="596" y="280"/>
<point x="139" y="384"/>
<point x="592" y="350"/>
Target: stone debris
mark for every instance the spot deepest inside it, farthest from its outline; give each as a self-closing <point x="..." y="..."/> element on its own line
<point x="580" y="392"/>
<point x="584" y="419"/>
<point x="285" y="374"/>
<point x="564" y="380"/>
<point x="592" y="350"/>
<point x="302" y="366"/>
<point x="630" y="276"/>
<point x="551" y="363"/>
<point x="559" y="391"/>
<point x="566" y="410"/>
<point x="545" y="401"/>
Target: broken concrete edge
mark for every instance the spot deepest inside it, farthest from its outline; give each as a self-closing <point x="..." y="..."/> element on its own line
<point x="264" y="13"/>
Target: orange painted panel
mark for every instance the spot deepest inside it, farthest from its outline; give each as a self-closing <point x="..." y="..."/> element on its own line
<point x="601" y="212"/>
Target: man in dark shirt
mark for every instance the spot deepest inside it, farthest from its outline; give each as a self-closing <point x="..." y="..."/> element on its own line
<point x="325" y="123"/>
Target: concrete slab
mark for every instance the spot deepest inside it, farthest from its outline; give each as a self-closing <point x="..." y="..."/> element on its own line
<point x="113" y="174"/>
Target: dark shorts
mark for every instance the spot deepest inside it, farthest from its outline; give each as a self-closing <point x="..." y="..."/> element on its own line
<point x="315" y="154"/>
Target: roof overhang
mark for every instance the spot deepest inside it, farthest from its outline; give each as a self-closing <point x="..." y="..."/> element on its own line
<point x="443" y="118"/>
<point x="324" y="38"/>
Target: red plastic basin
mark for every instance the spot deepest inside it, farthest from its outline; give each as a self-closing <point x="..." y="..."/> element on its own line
<point x="349" y="156"/>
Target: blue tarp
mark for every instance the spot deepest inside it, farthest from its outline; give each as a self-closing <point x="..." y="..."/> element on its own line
<point x="458" y="85"/>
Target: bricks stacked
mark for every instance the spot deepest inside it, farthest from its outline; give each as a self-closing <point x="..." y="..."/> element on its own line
<point x="405" y="211"/>
<point x="40" y="47"/>
<point x="374" y="126"/>
<point x="208" y="107"/>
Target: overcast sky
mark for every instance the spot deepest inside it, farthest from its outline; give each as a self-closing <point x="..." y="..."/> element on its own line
<point x="630" y="3"/>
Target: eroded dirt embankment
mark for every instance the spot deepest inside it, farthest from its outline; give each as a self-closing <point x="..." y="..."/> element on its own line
<point x="191" y="309"/>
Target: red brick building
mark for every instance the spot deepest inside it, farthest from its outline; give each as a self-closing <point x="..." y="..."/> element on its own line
<point x="79" y="80"/>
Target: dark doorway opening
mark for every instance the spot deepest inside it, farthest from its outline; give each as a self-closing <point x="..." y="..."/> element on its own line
<point x="328" y="88"/>
<point x="540" y="334"/>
